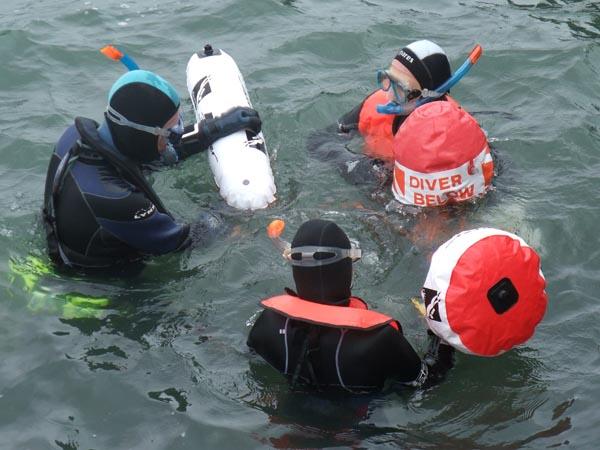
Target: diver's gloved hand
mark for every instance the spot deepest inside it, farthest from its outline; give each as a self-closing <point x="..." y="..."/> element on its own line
<point x="236" y="119"/>
<point x="199" y="136"/>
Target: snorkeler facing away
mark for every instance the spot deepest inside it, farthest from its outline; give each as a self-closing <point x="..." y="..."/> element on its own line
<point x="324" y="337"/>
<point x="419" y="74"/>
<point x="99" y="209"/>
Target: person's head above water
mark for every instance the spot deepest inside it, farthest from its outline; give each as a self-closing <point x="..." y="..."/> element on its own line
<point x="331" y="280"/>
<point x="321" y="256"/>
<point x="418" y="66"/>
<point x="143" y="115"/>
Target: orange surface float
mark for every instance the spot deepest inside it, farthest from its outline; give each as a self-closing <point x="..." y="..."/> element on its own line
<point x="441" y="156"/>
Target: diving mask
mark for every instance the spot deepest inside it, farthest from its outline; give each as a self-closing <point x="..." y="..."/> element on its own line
<point x="310" y="255"/>
<point x="405" y="100"/>
<point x="173" y="134"/>
<point x="402" y="93"/>
<point x="403" y="107"/>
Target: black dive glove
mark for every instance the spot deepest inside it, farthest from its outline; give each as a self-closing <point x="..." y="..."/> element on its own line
<point x="236" y="119"/>
<point x="201" y="135"/>
<point x="439" y="358"/>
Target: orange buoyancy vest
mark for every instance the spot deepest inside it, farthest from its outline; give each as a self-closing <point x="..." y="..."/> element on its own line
<point x="355" y="316"/>
<point x="376" y="128"/>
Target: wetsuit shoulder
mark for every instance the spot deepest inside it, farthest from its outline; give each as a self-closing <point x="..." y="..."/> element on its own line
<point x="67" y="140"/>
<point x="352" y="358"/>
<point x="123" y="214"/>
<point x="262" y="331"/>
<point x="135" y="220"/>
<point x="332" y="146"/>
<point x="381" y="354"/>
<point x="265" y="340"/>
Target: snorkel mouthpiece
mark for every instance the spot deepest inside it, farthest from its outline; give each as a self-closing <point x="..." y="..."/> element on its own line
<point x="393" y="108"/>
<point x="406" y="108"/>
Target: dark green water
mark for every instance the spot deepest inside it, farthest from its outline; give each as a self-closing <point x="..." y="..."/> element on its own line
<point x="164" y="365"/>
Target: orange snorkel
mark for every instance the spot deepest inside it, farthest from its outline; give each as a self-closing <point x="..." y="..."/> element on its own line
<point x="117" y="55"/>
<point x="274" y="231"/>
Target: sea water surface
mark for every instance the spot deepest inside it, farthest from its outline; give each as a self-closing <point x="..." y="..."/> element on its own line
<point x="160" y="361"/>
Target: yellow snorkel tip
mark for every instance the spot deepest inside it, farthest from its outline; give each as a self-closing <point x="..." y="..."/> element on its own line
<point x="419" y="305"/>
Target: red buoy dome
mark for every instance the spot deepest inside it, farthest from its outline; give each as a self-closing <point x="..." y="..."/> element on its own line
<point x="441" y="155"/>
<point x="484" y="292"/>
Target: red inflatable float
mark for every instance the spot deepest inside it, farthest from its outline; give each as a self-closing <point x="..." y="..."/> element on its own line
<point x="441" y="156"/>
<point x="484" y="292"/>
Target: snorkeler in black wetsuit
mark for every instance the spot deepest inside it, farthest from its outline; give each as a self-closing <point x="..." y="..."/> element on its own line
<point x="99" y="209"/>
<point x="324" y="337"/>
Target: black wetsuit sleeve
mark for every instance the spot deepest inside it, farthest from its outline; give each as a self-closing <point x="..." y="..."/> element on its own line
<point x="263" y="338"/>
<point x="404" y="364"/>
<point x="198" y="137"/>
<point x="331" y="146"/>
<point x="439" y="359"/>
<point x="349" y="121"/>
<point x="188" y="149"/>
<point x="136" y="221"/>
<point x="184" y="151"/>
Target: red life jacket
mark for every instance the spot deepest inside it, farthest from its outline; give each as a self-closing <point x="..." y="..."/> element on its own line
<point x="376" y="128"/>
<point x="355" y="316"/>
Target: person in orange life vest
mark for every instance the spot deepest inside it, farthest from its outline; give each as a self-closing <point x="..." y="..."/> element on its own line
<point x="417" y="69"/>
<point x="418" y="66"/>
<point x="324" y="337"/>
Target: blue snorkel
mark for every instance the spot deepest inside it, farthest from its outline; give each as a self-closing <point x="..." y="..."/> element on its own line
<point x="427" y="95"/>
<point x="117" y="55"/>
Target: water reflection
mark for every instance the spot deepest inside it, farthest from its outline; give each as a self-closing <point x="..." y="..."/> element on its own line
<point x="583" y="20"/>
<point x="481" y="397"/>
<point x="308" y="420"/>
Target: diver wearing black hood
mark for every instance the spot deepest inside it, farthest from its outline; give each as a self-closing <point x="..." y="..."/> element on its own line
<point x="99" y="209"/>
<point x="324" y="337"/>
<point x="417" y="70"/>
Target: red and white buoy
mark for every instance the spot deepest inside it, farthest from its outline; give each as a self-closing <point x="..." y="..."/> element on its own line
<point x="441" y="156"/>
<point x="484" y="292"/>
